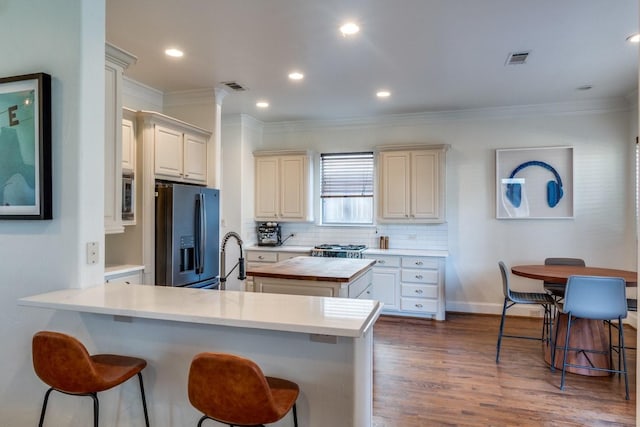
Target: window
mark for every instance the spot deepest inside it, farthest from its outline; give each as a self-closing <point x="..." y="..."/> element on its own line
<point x="346" y="188"/>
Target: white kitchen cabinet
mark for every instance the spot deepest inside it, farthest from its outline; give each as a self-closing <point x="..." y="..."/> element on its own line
<point x="116" y="61"/>
<point x="179" y="148"/>
<point x="127" y="274"/>
<point x="410" y="285"/>
<point x="411" y="184"/>
<point x="386" y="281"/>
<point x="283" y="186"/>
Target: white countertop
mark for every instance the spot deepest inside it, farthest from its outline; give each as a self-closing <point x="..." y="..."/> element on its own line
<point x="111" y="270"/>
<point x="290" y="313"/>
<point x="407" y="252"/>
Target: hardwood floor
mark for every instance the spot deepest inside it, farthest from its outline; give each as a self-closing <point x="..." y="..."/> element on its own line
<point x="429" y="373"/>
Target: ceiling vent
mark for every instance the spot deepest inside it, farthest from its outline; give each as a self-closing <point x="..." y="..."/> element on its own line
<point x="517" y="58"/>
<point x="235" y="86"/>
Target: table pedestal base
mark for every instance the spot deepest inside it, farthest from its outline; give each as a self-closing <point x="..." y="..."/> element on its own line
<point x="585" y="333"/>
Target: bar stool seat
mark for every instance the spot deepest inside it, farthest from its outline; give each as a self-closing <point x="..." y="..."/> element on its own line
<point x="234" y="391"/>
<point x="63" y="363"/>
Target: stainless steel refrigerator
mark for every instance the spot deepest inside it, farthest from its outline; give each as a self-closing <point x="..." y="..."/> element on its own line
<point x="187" y="235"/>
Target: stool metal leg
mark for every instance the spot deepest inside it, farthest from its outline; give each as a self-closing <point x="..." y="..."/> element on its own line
<point x="96" y="408"/>
<point x="566" y="350"/>
<point x="624" y="357"/>
<point x="295" y="416"/>
<point x="144" y="400"/>
<point x="44" y="406"/>
<point x="504" y="311"/>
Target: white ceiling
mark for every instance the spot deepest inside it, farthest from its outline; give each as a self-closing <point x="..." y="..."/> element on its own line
<point x="433" y="55"/>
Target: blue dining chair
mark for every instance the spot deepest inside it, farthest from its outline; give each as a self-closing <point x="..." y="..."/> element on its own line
<point x="596" y="298"/>
<point x="557" y="289"/>
<point x="512" y="298"/>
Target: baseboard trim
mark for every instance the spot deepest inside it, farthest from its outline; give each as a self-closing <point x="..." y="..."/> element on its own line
<point x="521" y="310"/>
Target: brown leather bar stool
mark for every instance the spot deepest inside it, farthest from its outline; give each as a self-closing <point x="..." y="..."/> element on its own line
<point x="64" y="364"/>
<point x="233" y="390"/>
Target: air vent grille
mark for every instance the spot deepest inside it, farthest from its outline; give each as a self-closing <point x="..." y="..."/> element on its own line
<point x="235" y="86"/>
<point x="517" y="58"/>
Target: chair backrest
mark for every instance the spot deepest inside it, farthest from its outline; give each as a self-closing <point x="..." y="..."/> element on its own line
<point x="506" y="289"/>
<point x="62" y="362"/>
<point x="592" y="297"/>
<point x="231" y="389"/>
<point x="563" y="261"/>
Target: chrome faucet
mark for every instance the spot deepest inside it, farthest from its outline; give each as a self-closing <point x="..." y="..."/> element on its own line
<point x="239" y="264"/>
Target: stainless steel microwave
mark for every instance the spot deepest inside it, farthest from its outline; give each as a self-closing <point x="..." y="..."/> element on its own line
<point x="128" y="196"/>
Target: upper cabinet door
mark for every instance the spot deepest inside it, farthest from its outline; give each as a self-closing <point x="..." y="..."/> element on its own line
<point x="267" y="191"/>
<point x="425" y="176"/>
<point x="128" y="146"/>
<point x="195" y="158"/>
<point x="395" y="184"/>
<point x="292" y="187"/>
<point x="168" y="152"/>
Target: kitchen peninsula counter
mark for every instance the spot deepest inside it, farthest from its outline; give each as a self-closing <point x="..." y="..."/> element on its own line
<point x="325" y="345"/>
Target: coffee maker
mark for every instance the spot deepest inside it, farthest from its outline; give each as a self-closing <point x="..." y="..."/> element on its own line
<point x="269" y="234"/>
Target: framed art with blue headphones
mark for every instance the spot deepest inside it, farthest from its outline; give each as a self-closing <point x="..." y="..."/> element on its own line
<point x="534" y="183"/>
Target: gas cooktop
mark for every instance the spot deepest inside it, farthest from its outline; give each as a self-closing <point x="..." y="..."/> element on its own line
<point x="337" y="247"/>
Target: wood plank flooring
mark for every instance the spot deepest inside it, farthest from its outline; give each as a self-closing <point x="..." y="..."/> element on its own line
<point x="429" y="373"/>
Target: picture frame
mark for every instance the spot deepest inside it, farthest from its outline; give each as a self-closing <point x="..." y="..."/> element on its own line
<point x="25" y="147"/>
<point x="534" y="183"/>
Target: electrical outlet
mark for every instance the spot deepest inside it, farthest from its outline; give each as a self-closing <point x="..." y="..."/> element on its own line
<point x="93" y="253"/>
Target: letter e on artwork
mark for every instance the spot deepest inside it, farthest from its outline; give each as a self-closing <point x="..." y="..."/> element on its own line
<point x="13" y="121"/>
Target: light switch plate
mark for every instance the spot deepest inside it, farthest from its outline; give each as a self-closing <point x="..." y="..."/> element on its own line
<point x="93" y="253"/>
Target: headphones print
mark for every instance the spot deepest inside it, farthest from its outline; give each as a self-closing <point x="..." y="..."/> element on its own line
<point x="554" y="188"/>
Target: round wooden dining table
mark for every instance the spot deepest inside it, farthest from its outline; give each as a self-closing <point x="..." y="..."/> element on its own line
<point x="585" y="333"/>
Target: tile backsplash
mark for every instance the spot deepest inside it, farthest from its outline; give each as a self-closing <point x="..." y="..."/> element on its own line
<point x="401" y="236"/>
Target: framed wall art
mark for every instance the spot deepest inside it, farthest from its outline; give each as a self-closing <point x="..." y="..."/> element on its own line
<point x="534" y="183"/>
<point x="25" y="147"/>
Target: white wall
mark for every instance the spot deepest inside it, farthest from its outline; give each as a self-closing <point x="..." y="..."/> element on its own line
<point x="65" y="39"/>
<point x="240" y="134"/>
<point x="602" y="232"/>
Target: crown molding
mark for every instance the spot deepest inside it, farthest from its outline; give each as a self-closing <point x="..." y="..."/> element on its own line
<point x="119" y="56"/>
<point x="597" y="106"/>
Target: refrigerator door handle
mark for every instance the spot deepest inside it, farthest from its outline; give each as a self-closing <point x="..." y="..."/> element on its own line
<point x="202" y="232"/>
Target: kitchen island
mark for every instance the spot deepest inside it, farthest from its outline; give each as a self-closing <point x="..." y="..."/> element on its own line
<point x="318" y="276"/>
<point x="323" y="344"/>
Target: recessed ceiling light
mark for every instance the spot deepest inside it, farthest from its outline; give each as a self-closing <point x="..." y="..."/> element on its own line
<point x="296" y="75"/>
<point x="634" y="38"/>
<point x="175" y="53"/>
<point x="349" y="29"/>
<point x="262" y="104"/>
<point x="383" y="94"/>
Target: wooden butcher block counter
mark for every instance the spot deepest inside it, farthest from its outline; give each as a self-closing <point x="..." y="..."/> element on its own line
<point x="319" y="276"/>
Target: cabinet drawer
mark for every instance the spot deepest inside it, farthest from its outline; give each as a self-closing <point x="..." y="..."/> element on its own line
<point x="419" y="305"/>
<point x="419" y="291"/>
<point x="366" y="294"/>
<point x="254" y="264"/>
<point x="360" y="284"/>
<point x="419" y="276"/>
<point x="262" y="256"/>
<point x="385" y="261"/>
<point x="419" y="262"/>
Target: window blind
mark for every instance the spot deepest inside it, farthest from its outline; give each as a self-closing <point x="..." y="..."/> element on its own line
<point x="346" y="175"/>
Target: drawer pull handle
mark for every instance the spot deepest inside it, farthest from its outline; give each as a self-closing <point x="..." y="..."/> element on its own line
<point x="418" y="262"/>
<point x="418" y="305"/>
<point x="260" y="257"/>
<point x="419" y="291"/>
<point x="380" y="261"/>
<point x="418" y="276"/>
